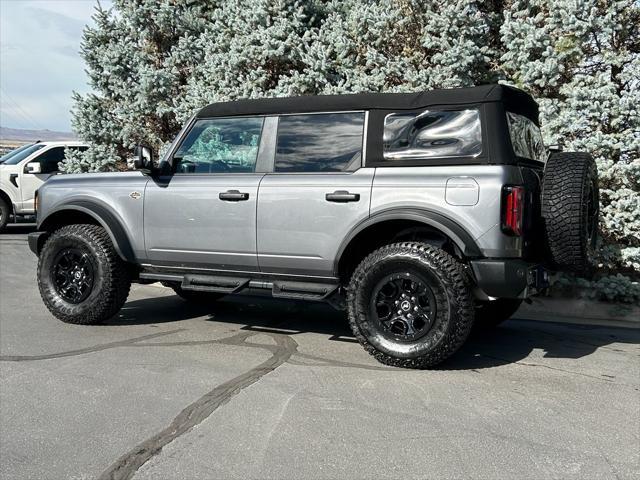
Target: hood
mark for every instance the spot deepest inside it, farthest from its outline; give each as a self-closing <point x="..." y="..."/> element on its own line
<point x="6" y="169"/>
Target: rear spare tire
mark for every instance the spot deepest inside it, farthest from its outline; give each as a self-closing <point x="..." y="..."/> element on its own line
<point x="570" y="210"/>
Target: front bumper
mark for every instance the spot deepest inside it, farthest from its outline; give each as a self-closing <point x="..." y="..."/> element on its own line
<point x="35" y="241"/>
<point x="509" y="278"/>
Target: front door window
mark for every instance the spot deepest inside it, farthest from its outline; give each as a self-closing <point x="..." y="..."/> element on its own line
<point x="220" y="145"/>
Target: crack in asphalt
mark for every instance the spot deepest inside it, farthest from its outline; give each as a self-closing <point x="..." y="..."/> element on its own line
<point x="81" y="351"/>
<point x="127" y="465"/>
<point x="327" y="362"/>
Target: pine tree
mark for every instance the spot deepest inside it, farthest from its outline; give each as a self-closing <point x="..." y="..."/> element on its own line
<point x="153" y="63"/>
<point x="581" y="60"/>
<point x="138" y="63"/>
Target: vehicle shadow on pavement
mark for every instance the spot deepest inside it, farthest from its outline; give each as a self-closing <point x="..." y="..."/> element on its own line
<point x="509" y="343"/>
<point x="514" y="340"/>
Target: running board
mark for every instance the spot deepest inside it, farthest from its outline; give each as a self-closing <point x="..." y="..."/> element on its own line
<point x="210" y="283"/>
<point x="315" y="291"/>
<point x="302" y="290"/>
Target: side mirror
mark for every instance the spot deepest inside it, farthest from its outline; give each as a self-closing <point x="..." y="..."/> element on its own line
<point x="143" y="158"/>
<point x="33" y="167"/>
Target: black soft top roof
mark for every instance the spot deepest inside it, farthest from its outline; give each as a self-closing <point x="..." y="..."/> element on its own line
<point x="514" y="100"/>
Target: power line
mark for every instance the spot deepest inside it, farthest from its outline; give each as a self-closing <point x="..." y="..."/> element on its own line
<point x="17" y="107"/>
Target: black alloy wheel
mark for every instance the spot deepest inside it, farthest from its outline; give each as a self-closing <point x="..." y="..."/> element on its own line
<point x="73" y="275"/>
<point x="404" y="306"/>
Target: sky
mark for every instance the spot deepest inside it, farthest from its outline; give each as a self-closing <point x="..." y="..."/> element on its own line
<point x="40" y="64"/>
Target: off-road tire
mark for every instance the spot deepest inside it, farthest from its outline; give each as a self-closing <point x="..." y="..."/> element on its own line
<point x="492" y="313"/>
<point x="570" y="210"/>
<point x="450" y="287"/>
<point x="194" y="296"/>
<point x="111" y="283"/>
<point x="5" y="211"/>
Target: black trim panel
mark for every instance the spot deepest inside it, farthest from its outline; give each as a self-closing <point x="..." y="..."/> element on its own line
<point x="34" y="240"/>
<point x="149" y="269"/>
<point x="502" y="278"/>
<point x="108" y="221"/>
<point x="463" y="240"/>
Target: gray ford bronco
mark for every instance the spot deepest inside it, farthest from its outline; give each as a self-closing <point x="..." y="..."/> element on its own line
<point x="419" y="214"/>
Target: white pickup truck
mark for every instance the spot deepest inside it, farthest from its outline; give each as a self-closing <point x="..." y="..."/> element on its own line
<point x="23" y="170"/>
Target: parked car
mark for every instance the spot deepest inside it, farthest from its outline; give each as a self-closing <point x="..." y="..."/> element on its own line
<point x="418" y="213"/>
<point x="23" y="171"/>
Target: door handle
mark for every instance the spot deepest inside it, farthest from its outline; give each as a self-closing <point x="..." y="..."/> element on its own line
<point x="342" y="196"/>
<point x="233" y="196"/>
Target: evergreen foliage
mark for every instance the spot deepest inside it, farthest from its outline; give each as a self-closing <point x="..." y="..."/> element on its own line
<point x="152" y="63"/>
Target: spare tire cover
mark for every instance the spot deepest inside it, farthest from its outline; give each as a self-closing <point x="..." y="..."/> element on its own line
<point x="570" y="210"/>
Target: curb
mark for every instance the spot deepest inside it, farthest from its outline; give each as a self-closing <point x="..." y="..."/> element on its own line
<point x="580" y="311"/>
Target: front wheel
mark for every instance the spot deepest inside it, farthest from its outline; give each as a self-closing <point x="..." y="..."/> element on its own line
<point x="410" y="305"/>
<point x="5" y="211"/>
<point x="81" y="278"/>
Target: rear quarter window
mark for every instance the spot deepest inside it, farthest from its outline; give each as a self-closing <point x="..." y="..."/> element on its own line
<point x="432" y="134"/>
<point x="526" y="138"/>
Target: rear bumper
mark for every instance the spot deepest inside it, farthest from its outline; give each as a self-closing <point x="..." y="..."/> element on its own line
<point x="509" y="278"/>
<point x="34" y="240"/>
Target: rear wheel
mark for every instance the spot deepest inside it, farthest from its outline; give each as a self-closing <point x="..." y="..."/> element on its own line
<point x="193" y="295"/>
<point x="410" y="305"/>
<point x="492" y="313"/>
<point x="5" y="211"/>
<point x="81" y="278"/>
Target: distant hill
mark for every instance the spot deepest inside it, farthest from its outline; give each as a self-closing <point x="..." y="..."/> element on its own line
<point x="17" y="135"/>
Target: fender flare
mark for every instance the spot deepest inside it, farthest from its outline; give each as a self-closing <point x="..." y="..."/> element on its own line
<point x="458" y="235"/>
<point x="105" y="218"/>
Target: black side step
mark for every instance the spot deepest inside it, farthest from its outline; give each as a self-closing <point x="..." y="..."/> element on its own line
<point x="210" y="283"/>
<point x="302" y="290"/>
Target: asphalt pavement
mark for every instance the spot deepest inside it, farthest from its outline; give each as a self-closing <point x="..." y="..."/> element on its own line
<point x="258" y="388"/>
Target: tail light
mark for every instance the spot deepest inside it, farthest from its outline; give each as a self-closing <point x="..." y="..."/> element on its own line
<point x="512" y="209"/>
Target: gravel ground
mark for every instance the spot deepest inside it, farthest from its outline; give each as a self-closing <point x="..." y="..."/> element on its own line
<point x="273" y="389"/>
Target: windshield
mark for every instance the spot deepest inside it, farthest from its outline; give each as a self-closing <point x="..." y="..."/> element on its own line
<point x="13" y="152"/>
<point x="16" y="156"/>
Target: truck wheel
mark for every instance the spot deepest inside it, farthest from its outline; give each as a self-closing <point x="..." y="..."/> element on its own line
<point x="81" y="278"/>
<point x="492" y="313"/>
<point x="194" y="296"/>
<point x="5" y="211"/>
<point x="570" y="210"/>
<point x="410" y="305"/>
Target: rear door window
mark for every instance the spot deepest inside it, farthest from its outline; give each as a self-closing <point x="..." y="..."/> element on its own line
<point x="432" y="134"/>
<point x="326" y="142"/>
